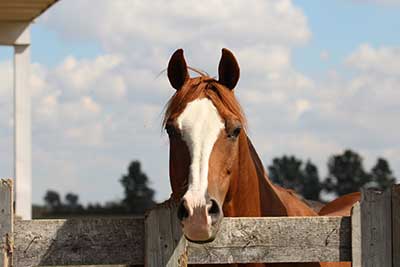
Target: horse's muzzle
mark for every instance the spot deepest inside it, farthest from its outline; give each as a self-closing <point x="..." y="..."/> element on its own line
<point x="200" y="223"/>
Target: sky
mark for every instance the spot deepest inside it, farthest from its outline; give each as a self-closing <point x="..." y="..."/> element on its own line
<point x="315" y="79"/>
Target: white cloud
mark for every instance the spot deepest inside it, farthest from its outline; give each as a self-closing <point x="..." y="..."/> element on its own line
<point x="79" y="75"/>
<point x="302" y="105"/>
<point x="329" y="114"/>
<point x="179" y="22"/>
<point x="145" y="35"/>
<point x="383" y="60"/>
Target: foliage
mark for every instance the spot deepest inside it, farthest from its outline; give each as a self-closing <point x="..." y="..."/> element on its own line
<point x="346" y="173"/>
<point x="138" y="195"/>
<point x="311" y="183"/>
<point x="289" y="172"/>
<point x="138" y="198"/>
<point x="52" y="199"/>
<point x="382" y="175"/>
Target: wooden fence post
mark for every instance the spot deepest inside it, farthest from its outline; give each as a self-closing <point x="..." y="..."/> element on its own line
<point x="372" y="230"/>
<point x="164" y="242"/>
<point x="356" y="235"/>
<point x="396" y="224"/>
<point x="6" y="223"/>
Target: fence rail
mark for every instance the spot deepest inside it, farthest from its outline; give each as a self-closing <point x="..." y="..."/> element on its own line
<point x="369" y="238"/>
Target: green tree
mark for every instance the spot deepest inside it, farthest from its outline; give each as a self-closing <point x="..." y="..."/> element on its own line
<point x="311" y="183"/>
<point x="52" y="199"/>
<point x="288" y="171"/>
<point x="346" y="173"/>
<point x="71" y="199"/>
<point x="138" y="195"/>
<point x="382" y="175"/>
<point x="72" y="204"/>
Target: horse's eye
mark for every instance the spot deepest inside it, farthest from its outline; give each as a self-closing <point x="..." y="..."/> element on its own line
<point x="235" y="132"/>
<point x="171" y="130"/>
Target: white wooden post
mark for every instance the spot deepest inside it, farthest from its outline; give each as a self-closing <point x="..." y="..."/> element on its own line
<point x="22" y="132"/>
<point x="17" y="34"/>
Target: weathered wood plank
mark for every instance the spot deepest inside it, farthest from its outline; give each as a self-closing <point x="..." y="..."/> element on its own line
<point x="373" y="237"/>
<point x="164" y="242"/>
<point x="6" y="222"/>
<point x="79" y="242"/>
<point x="121" y="241"/>
<point x="396" y="225"/>
<point x="277" y="239"/>
<point x="356" y="235"/>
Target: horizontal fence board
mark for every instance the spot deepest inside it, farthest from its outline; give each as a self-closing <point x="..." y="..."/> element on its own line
<point x="79" y="242"/>
<point x="277" y="239"/>
<point x="121" y="241"/>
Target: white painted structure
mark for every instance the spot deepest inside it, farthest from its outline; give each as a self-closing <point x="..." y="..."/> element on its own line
<point x="16" y="17"/>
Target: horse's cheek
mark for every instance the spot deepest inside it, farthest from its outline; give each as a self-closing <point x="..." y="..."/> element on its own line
<point x="179" y="163"/>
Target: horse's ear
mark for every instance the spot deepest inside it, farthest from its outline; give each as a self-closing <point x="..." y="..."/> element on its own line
<point x="228" y="69"/>
<point x="177" y="70"/>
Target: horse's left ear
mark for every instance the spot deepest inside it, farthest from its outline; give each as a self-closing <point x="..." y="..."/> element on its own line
<point x="228" y="69"/>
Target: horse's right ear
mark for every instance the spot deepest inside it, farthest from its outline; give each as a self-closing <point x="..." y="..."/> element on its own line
<point x="177" y="70"/>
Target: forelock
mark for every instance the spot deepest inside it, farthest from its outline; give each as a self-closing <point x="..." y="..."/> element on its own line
<point x="199" y="87"/>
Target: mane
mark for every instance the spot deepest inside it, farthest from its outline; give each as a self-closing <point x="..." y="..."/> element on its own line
<point x="199" y="87"/>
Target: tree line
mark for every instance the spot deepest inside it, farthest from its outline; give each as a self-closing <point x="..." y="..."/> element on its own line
<point x="346" y="174"/>
<point x="138" y="197"/>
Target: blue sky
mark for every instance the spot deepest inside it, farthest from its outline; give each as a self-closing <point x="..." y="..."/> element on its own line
<point x="339" y="27"/>
<point x="316" y="79"/>
<point x="49" y="48"/>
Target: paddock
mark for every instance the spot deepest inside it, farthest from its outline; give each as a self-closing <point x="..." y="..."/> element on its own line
<point x="370" y="237"/>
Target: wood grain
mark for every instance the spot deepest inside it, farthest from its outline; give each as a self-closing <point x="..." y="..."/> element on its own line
<point x="6" y="222"/>
<point x="121" y="241"/>
<point x="372" y="230"/>
<point x="79" y="242"/>
<point x="279" y="239"/>
<point x="396" y="225"/>
<point x="356" y="240"/>
<point x="164" y="242"/>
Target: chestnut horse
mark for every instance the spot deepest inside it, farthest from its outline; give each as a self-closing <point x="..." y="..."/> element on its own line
<point x="214" y="168"/>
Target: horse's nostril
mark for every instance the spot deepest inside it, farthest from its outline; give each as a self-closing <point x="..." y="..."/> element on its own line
<point x="214" y="209"/>
<point x="183" y="213"/>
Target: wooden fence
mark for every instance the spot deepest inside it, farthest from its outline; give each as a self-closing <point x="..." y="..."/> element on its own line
<point x="369" y="238"/>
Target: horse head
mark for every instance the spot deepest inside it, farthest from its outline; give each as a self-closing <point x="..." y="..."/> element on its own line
<point x="204" y="123"/>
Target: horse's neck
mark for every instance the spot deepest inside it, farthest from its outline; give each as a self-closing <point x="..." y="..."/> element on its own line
<point x="253" y="194"/>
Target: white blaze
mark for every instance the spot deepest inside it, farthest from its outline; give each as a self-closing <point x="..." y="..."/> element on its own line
<point x="200" y="125"/>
